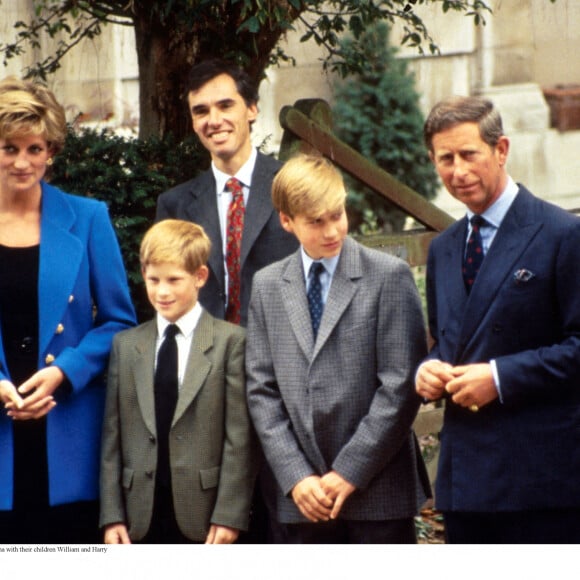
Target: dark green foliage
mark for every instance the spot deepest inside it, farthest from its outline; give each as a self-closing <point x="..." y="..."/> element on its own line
<point x="377" y="113"/>
<point x="127" y="174"/>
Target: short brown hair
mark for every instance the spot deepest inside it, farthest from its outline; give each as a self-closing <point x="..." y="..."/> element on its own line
<point x="308" y="185"/>
<point x="207" y="70"/>
<point x="30" y="108"/>
<point x="456" y="110"/>
<point x="178" y="242"/>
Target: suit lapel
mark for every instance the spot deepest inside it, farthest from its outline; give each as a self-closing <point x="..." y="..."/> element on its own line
<point x="203" y="209"/>
<point x="342" y="290"/>
<point x="517" y="230"/>
<point x="61" y="254"/>
<point x="198" y="365"/>
<point x="259" y="209"/>
<point x="451" y="268"/>
<point x="293" y="290"/>
<point x="143" y="365"/>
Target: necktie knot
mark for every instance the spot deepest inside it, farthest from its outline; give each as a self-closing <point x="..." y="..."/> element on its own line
<point x="316" y="268"/>
<point x="234" y="185"/>
<point x="171" y="331"/>
<point x="477" y="222"/>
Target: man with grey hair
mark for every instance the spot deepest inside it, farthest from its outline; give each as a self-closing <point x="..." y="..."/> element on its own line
<point x="503" y="292"/>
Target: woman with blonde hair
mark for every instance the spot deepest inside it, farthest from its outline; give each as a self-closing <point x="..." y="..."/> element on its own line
<point x="63" y="295"/>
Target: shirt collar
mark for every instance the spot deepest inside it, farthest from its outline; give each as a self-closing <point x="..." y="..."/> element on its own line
<point x="328" y="263"/>
<point x="186" y="323"/>
<point x="244" y="174"/>
<point x="495" y="213"/>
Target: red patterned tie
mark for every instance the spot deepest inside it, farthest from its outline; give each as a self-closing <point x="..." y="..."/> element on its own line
<point x="235" y="226"/>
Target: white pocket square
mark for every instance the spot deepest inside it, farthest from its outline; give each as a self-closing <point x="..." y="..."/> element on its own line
<point x="523" y="275"/>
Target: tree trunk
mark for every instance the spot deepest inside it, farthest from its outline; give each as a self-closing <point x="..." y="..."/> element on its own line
<point x="164" y="63"/>
<point x="166" y="50"/>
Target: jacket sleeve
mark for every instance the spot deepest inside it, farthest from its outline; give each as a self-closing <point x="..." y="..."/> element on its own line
<point x="271" y="420"/>
<point x="554" y="323"/>
<point x="400" y="346"/>
<point x="112" y="503"/>
<point x="239" y="459"/>
<point x="113" y="309"/>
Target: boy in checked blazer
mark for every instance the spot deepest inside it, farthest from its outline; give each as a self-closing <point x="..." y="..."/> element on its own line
<point x="330" y="377"/>
<point x="191" y="481"/>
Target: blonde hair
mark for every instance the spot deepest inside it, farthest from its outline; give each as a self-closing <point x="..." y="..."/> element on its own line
<point x="30" y="108"/>
<point x="308" y="185"/>
<point x="178" y="242"/>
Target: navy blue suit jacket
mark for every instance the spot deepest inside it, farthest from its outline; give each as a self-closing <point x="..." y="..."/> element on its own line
<point x="524" y="312"/>
<point x="263" y="239"/>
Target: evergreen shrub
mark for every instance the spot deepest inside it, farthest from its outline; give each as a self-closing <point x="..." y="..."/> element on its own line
<point x="377" y="113"/>
<point x="128" y="175"/>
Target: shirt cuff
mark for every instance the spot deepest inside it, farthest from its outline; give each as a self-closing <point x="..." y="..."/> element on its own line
<point x="496" y="378"/>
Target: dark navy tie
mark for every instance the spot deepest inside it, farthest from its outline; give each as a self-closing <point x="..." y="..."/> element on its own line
<point x="315" y="295"/>
<point x="473" y="252"/>
<point x="166" y="389"/>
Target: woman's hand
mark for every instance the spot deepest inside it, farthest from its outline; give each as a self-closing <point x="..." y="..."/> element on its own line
<point x="39" y="388"/>
<point x="9" y="395"/>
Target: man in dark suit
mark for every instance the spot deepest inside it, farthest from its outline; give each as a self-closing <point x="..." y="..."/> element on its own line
<point x="223" y="101"/>
<point x="506" y="348"/>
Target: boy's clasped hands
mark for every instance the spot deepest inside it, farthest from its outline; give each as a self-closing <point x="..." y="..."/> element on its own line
<point x="322" y="498"/>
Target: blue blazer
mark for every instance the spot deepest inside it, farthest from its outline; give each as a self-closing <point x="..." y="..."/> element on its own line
<point x="83" y="301"/>
<point x="524" y="312"/>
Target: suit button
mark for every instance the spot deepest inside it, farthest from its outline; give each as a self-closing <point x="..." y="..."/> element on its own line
<point x="497" y="328"/>
<point x="49" y="359"/>
<point x="149" y="474"/>
<point x="59" y="329"/>
<point x="152" y="438"/>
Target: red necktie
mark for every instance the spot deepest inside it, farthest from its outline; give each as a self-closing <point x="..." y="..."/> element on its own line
<point x="234" y="228"/>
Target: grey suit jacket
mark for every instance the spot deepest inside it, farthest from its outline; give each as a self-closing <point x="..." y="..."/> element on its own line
<point x="263" y="239"/>
<point x="212" y="447"/>
<point x="347" y="401"/>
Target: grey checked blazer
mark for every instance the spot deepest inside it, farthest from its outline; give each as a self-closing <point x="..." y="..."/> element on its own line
<point x="212" y="447"/>
<point x="346" y="402"/>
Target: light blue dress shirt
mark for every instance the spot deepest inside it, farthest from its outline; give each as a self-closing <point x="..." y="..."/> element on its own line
<point x="326" y="277"/>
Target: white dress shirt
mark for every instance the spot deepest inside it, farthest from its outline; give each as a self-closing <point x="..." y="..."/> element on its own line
<point x="186" y="324"/>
